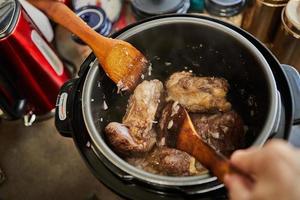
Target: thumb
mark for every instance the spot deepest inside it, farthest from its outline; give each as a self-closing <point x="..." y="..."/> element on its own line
<point x="237" y="189"/>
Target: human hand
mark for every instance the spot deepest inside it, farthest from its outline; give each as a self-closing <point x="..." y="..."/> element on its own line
<point x="275" y="168"/>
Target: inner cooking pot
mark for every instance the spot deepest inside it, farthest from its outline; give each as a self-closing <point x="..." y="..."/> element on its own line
<point x="182" y="43"/>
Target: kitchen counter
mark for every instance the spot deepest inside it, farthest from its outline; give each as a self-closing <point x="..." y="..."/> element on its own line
<point x="40" y="164"/>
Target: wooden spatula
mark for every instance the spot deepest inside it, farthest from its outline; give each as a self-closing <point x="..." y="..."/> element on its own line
<point x="181" y="134"/>
<point x="122" y="62"/>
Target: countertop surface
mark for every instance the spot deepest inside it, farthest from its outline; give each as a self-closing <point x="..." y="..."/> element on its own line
<point x="41" y="164"/>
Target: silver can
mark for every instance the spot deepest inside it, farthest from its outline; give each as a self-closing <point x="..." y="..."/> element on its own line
<point x="287" y="41"/>
<point x="262" y="19"/>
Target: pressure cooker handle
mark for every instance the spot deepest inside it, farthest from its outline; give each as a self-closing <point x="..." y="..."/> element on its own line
<point x="63" y="110"/>
<point x="65" y="99"/>
<point x="294" y="81"/>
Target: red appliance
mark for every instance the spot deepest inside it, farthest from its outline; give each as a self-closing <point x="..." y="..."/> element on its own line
<point x="30" y="70"/>
<point x="67" y="2"/>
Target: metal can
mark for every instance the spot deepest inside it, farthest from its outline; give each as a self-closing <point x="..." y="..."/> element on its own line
<point x="226" y="10"/>
<point x="287" y="41"/>
<point x="262" y="19"/>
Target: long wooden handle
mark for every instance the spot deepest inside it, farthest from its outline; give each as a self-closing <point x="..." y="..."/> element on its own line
<point x="62" y="15"/>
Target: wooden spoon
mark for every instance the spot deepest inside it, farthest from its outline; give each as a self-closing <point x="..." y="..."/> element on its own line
<point x="122" y="62"/>
<point x="180" y="133"/>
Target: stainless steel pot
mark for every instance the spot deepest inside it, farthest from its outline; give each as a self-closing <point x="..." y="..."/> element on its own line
<point x="158" y="27"/>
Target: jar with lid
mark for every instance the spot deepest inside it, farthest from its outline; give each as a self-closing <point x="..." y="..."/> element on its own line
<point x="287" y="41"/>
<point x="227" y="10"/>
<point x="262" y="19"/>
<point x="144" y="9"/>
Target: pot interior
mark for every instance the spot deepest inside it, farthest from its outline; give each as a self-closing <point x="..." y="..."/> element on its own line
<point x="172" y="45"/>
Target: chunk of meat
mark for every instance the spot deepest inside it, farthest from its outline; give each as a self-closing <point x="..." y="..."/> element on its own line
<point x="119" y="137"/>
<point x="222" y="131"/>
<point x="170" y="162"/>
<point x="174" y="162"/>
<point x="198" y="94"/>
<point x="135" y="134"/>
<point x="142" y="107"/>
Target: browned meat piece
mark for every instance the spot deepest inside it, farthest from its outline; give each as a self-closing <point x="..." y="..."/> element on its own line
<point x="135" y="135"/>
<point x="170" y="162"/>
<point x="174" y="162"/>
<point x="222" y="131"/>
<point x="142" y="107"/>
<point x="198" y="94"/>
<point x="119" y="137"/>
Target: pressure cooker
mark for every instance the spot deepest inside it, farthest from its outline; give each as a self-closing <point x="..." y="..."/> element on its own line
<point x="263" y="91"/>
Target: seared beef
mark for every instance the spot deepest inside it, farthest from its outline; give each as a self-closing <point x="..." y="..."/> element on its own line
<point x="142" y="107"/>
<point x="174" y="162"/>
<point x="170" y="162"/>
<point x="222" y="131"/>
<point x="135" y="135"/>
<point x="198" y="94"/>
<point x="120" y="138"/>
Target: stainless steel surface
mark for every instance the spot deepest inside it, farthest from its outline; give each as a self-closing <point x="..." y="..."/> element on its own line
<point x="287" y="41"/>
<point x="262" y="19"/>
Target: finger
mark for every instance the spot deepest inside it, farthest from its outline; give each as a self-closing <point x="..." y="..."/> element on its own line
<point x="246" y="160"/>
<point x="237" y="188"/>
